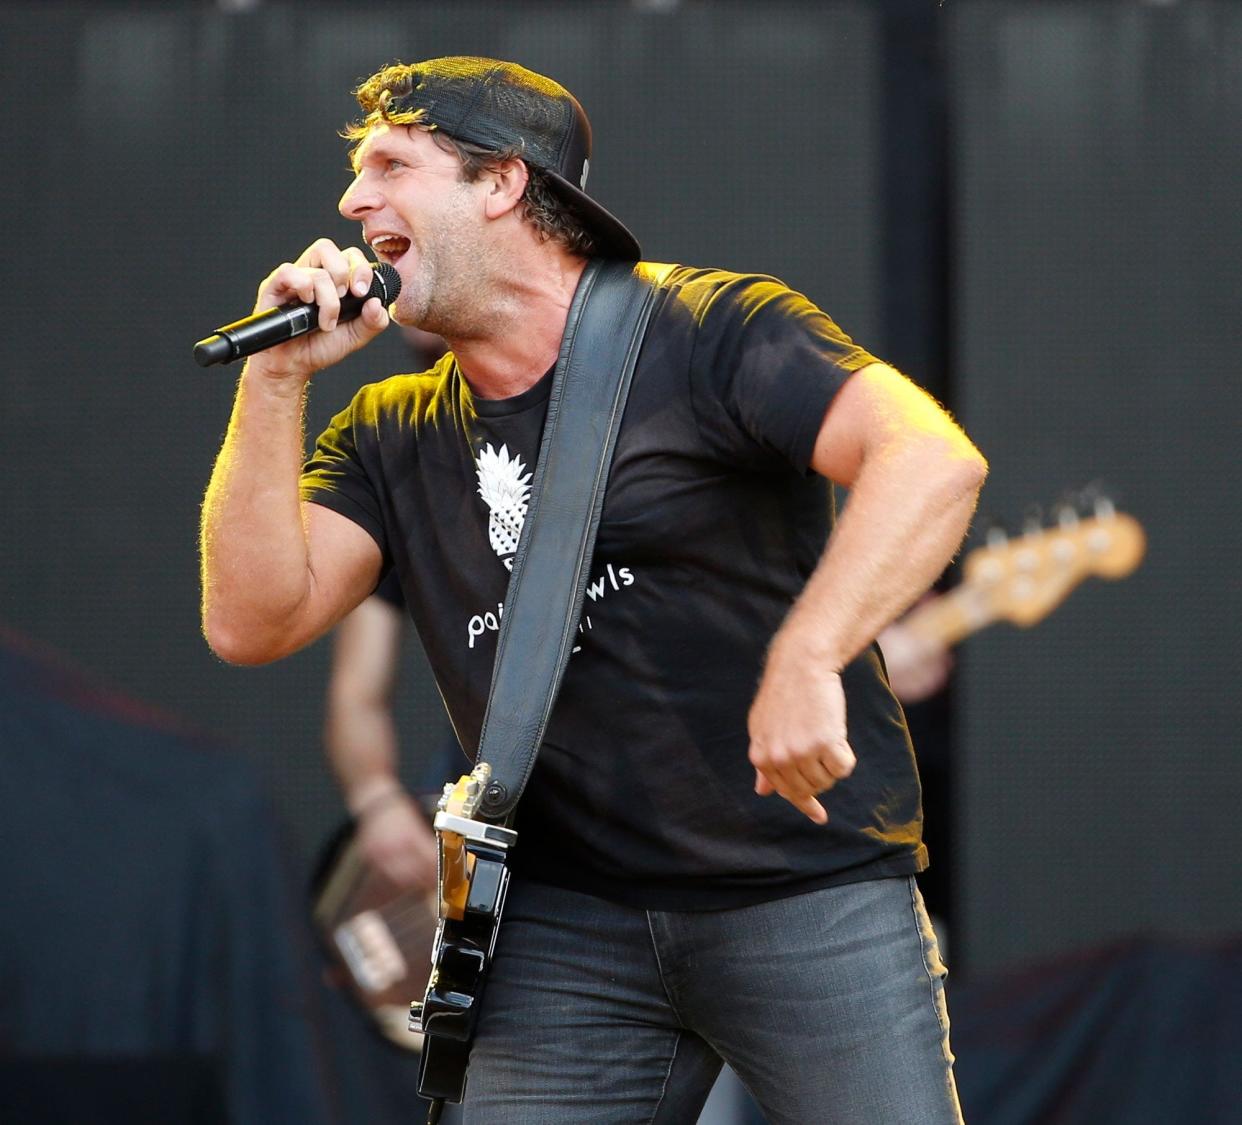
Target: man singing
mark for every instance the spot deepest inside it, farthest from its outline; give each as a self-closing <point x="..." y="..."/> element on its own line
<point x="717" y="849"/>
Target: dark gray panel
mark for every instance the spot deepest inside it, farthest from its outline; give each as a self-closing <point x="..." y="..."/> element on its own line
<point x="163" y="160"/>
<point x="1099" y="242"/>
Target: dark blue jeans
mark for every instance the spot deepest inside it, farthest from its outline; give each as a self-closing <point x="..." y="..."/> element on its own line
<point x="829" y="1006"/>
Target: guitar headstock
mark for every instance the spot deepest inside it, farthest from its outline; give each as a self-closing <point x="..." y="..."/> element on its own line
<point x="1025" y="578"/>
<point x="462" y="797"/>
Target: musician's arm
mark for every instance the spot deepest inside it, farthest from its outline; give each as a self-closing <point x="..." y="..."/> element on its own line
<point x="361" y="739"/>
<point x="278" y="573"/>
<point x="360" y="734"/>
<point x="913" y="478"/>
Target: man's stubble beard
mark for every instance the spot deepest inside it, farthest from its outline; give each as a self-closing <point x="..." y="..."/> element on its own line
<point x="449" y="292"/>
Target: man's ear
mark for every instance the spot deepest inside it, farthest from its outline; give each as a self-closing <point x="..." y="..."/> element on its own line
<point x="506" y="183"/>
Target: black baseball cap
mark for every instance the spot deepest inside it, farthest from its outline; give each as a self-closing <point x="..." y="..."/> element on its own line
<point x="499" y="105"/>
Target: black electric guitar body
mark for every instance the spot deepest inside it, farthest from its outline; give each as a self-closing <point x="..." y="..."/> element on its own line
<point x="473" y="880"/>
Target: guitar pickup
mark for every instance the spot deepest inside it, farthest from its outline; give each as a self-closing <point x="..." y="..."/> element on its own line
<point x="487" y="886"/>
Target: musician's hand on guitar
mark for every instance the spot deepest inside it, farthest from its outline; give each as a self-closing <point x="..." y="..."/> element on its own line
<point x="798" y="742"/>
<point x="918" y="666"/>
<point x="396" y="838"/>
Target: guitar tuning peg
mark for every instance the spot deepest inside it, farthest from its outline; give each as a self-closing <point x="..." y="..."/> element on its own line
<point x="997" y="535"/>
<point x="1067" y="513"/>
<point x="1096" y="499"/>
<point x="1033" y="519"/>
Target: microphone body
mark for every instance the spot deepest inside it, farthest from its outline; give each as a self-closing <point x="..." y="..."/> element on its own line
<point x="270" y="327"/>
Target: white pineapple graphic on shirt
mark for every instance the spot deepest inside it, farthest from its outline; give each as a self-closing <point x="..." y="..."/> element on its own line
<point x="504" y="485"/>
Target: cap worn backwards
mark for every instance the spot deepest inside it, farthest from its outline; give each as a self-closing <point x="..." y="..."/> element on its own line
<point x="500" y="105"/>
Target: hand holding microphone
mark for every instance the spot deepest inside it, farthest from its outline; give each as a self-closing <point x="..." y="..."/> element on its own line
<point x="316" y="279"/>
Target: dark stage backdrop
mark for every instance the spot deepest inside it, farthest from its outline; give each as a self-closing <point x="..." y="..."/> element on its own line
<point x="161" y="159"/>
<point x="1098" y="165"/>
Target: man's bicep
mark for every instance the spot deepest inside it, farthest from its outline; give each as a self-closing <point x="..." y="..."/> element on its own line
<point x="875" y="407"/>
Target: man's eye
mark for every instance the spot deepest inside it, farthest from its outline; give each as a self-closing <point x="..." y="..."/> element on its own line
<point x="393" y="165"/>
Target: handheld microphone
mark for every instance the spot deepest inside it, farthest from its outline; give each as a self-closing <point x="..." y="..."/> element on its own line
<point x="270" y="327"/>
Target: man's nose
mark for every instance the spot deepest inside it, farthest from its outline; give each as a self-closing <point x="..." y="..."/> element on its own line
<point x="359" y="198"/>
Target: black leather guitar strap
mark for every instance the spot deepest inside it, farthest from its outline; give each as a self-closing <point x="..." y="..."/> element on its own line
<point x="603" y="335"/>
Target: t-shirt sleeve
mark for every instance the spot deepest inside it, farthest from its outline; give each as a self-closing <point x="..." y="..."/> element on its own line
<point x="766" y="366"/>
<point x="389" y="590"/>
<point x="341" y="472"/>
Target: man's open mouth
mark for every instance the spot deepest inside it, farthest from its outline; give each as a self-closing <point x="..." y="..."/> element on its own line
<point x="390" y="247"/>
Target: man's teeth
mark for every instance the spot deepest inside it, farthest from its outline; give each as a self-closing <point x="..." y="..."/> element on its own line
<point x="389" y="243"/>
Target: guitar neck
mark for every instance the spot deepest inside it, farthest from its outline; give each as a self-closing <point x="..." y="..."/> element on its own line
<point x="952" y="616"/>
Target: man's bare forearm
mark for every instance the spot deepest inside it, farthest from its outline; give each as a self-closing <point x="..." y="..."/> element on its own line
<point x="905" y="519"/>
<point x="362" y="750"/>
<point x="264" y="594"/>
<point x="360" y="733"/>
<point x="914" y="478"/>
<point x="254" y="554"/>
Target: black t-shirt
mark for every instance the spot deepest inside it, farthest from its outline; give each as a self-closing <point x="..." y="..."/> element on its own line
<point x="712" y="522"/>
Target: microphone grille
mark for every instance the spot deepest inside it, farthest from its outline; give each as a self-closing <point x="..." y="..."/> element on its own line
<point x="385" y="283"/>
